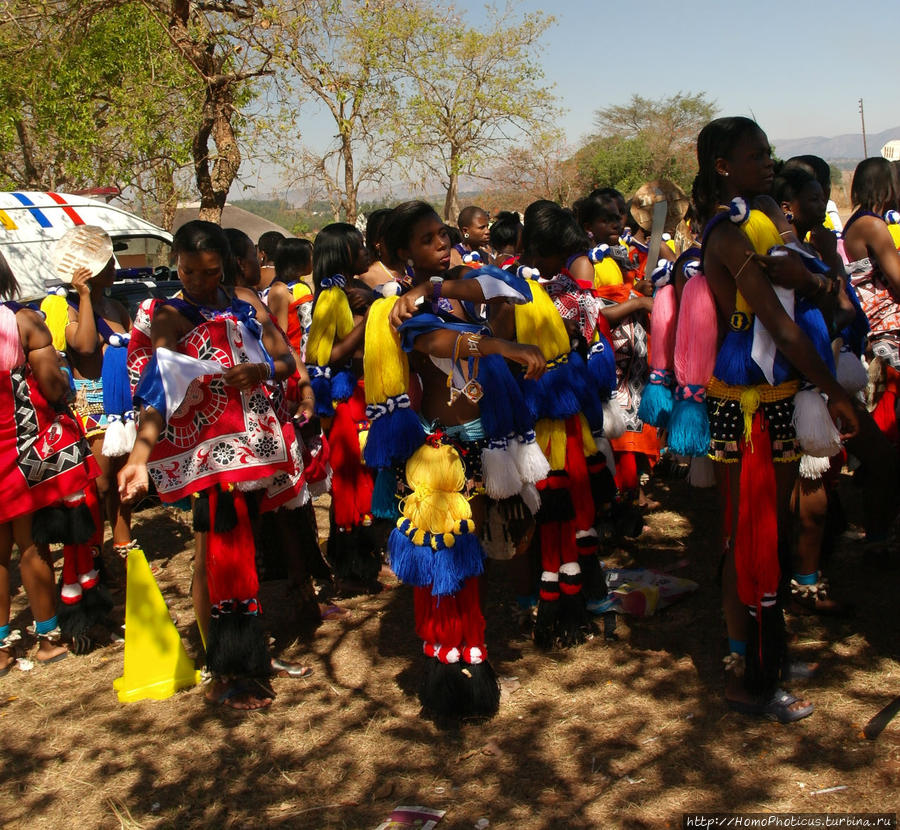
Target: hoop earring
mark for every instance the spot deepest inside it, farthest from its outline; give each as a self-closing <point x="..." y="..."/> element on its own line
<point x="465" y="235"/>
<point x="789" y="216"/>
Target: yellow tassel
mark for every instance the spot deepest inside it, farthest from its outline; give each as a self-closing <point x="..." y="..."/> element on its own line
<point x="332" y="320"/>
<point x="607" y="272"/>
<point x="761" y="232"/>
<point x="436" y="503"/>
<point x="538" y="323"/>
<point x="750" y="401"/>
<point x="590" y="446"/>
<point x="550" y="434"/>
<point x="56" y="310"/>
<point x="385" y="366"/>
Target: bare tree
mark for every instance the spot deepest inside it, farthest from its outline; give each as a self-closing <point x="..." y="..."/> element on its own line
<point x="472" y="92"/>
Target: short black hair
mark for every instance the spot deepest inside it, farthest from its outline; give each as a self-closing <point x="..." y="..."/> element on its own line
<point x="551" y="230"/>
<point x="602" y="203"/>
<point x="467" y="215"/>
<point x="790" y="182"/>
<point x="293" y="260"/>
<point x="815" y="166"/>
<point x="197" y="236"/>
<point x="333" y="252"/>
<point x="505" y="230"/>
<point x="398" y="228"/>
<point x="375" y="230"/>
<point x="239" y="242"/>
<point x="268" y="243"/>
<point x="874" y="187"/>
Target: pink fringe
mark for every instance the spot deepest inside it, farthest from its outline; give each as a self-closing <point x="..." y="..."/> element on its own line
<point x="662" y="329"/>
<point x="696" y="337"/>
<point x="11" y="354"/>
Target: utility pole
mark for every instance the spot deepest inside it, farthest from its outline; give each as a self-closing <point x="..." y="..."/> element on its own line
<point x="862" y="118"/>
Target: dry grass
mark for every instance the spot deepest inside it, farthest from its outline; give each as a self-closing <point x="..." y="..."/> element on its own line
<point x="624" y="735"/>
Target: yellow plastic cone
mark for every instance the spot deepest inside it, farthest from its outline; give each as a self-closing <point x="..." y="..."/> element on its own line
<point x="156" y="664"/>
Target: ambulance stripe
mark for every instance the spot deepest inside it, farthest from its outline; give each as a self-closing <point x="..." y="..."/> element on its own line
<point x="67" y="209"/>
<point x="42" y="220"/>
<point x="7" y="223"/>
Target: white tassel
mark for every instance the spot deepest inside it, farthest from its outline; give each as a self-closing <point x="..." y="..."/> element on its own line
<point x="851" y="374"/>
<point x="813" y="467"/>
<point x="532" y="498"/>
<point x="702" y="473"/>
<point x="115" y="440"/>
<point x="532" y="464"/>
<point x="606" y="448"/>
<point x="320" y="488"/>
<point x="613" y="420"/>
<point x="130" y="430"/>
<point x="501" y="476"/>
<point x="815" y="430"/>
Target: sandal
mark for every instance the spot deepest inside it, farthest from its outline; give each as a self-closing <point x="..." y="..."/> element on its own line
<point x="54" y="637"/>
<point x="776" y="707"/>
<point x="281" y="668"/>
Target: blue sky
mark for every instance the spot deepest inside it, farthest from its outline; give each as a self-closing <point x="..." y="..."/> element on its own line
<point x="799" y="66"/>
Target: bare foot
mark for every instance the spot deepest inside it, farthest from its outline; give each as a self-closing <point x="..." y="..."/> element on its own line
<point x="242" y="695"/>
<point x="7" y="660"/>
<point x="50" y="652"/>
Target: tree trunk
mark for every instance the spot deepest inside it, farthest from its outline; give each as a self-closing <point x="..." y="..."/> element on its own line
<point x="350" y="207"/>
<point x="451" y="203"/>
<point x="215" y="182"/>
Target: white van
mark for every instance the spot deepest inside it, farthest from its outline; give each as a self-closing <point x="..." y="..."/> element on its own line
<point x="30" y="222"/>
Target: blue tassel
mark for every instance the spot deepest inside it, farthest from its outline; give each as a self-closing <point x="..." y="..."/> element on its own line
<point x="602" y="365"/>
<point x="504" y="410"/>
<point x="453" y="566"/>
<point x="321" y="387"/>
<point x="810" y="320"/>
<point x="590" y="396"/>
<point x="854" y="335"/>
<point x="411" y="563"/>
<point x="393" y="438"/>
<point x="384" y="494"/>
<point x="343" y="385"/>
<point x="656" y="405"/>
<point x="689" y="428"/>
<point x="116" y="385"/>
<point x="734" y="364"/>
<point x="554" y="395"/>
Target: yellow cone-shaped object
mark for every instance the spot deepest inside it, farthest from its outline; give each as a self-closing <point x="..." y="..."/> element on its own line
<point x="156" y="664"/>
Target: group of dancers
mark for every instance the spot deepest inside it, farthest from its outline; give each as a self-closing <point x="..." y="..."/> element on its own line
<point x="495" y="390"/>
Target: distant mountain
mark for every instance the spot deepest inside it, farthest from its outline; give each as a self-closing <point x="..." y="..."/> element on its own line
<point x="848" y="147"/>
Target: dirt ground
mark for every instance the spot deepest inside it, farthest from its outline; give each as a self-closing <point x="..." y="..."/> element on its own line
<point x="626" y="734"/>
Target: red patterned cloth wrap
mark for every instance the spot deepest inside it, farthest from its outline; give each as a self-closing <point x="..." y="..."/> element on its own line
<point x="43" y="453"/>
<point x="218" y="434"/>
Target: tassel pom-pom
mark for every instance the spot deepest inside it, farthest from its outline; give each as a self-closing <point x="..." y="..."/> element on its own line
<point x="115" y="440"/>
<point x="531" y="497"/>
<point x="343" y="385"/>
<point x="689" y="428"/>
<point x="815" y="429"/>
<point x="384" y="495"/>
<point x="532" y="463"/>
<point x="656" y="404"/>
<point x="411" y="563"/>
<point x="602" y="366"/>
<point x="501" y="475"/>
<point x="393" y="438"/>
<point x="321" y="386"/>
<point x="454" y="565"/>
<point x="813" y="467"/>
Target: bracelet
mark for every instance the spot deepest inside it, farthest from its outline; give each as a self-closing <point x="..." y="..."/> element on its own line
<point x="474" y="344"/>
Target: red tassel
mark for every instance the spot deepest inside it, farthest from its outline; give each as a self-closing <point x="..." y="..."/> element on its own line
<point x="626" y="472"/>
<point x="885" y="412"/>
<point x="579" y="482"/>
<point x="92" y="500"/>
<point x="756" y="539"/>
<point x="351" y="482"/>
<point x="231" y="556"/>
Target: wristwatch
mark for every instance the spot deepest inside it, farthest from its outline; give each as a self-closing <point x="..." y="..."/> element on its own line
<point x="437" y="283"/>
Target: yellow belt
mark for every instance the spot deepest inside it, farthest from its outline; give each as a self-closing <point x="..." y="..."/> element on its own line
<point x="751" y="397"/>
